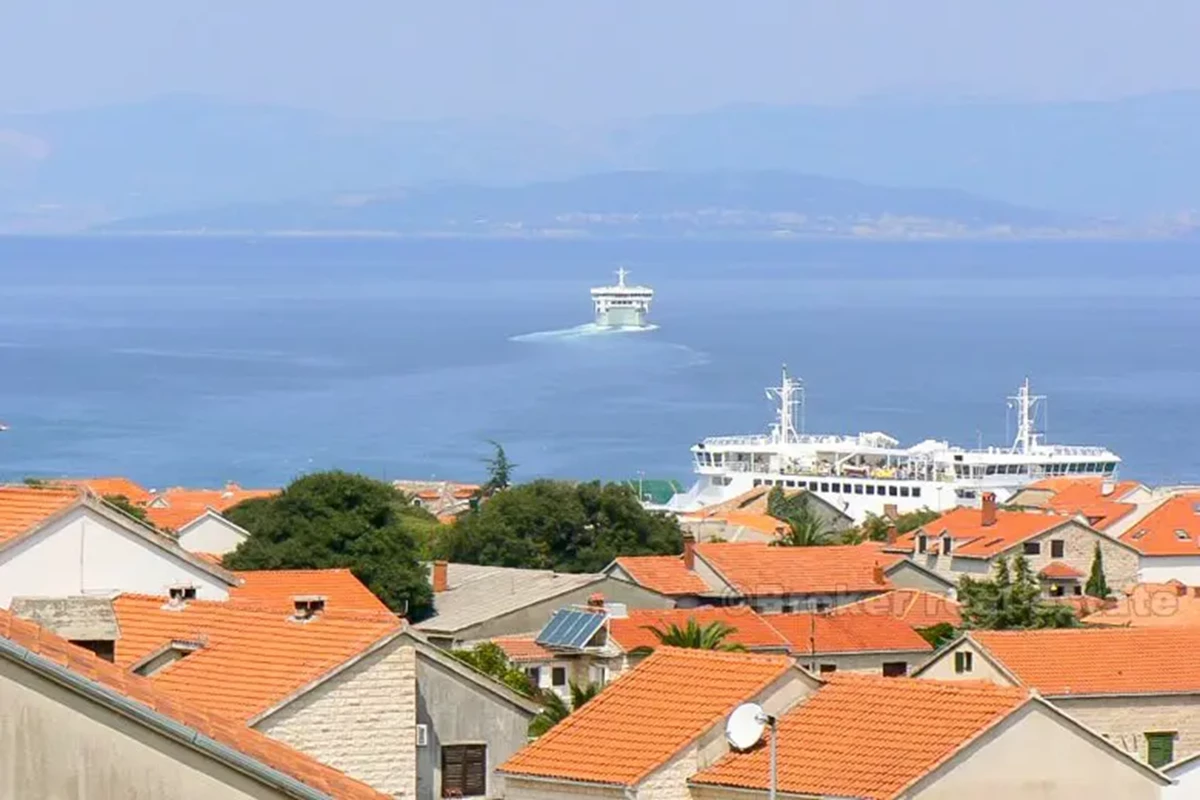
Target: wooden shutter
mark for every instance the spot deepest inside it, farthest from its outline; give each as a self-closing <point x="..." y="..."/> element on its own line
<point x="476" y="777"/>
<point x="464" y="770"/>
<point x="1160" y="748"/>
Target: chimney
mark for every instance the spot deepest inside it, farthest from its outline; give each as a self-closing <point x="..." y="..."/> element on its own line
<point x="596" y="600"/>
<point x="987" y="516"/>
<point x="179" y="595"/>
<point x="307" y="606"/>
<point x="689" y="551"/>
<point x="440" y="582"/>
<point x="890" y="511"/>
<point x="878" y="574"/>
<point x="892" y="534"/>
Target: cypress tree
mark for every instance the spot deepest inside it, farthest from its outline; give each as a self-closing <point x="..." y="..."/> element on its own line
<point x="1097" y="586"/>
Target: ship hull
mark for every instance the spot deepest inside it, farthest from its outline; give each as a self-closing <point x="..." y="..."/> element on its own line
<point x="621" y="318"/>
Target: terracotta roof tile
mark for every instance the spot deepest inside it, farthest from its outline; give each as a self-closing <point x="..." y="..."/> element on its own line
<point x="24" y="507"/>
<point x="1057" y="570"/>
<point x="229" y="733"/>
<point x="647" y="715"/>
<point x="758" y="569"/>
<point x="251" y="658"/>
<point x="276" y="588"/>
<point x="1098" y="660"/>
<point x="847" y="633"/>
<point x="663" y="574"/>
<point x="914" y="607"/>
<point x="521" y="649"/>
<point x="1151" y="605"/>
<point x="174" y="508"/>
<point x="869" y="737"/>
<point x="973" y="538"/>
<point x="752" y="631"/>
<point x="1172" y="529"/>
<point x="107" y="487"/>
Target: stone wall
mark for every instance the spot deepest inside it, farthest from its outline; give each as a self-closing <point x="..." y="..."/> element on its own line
<point x="1125" y="721"/>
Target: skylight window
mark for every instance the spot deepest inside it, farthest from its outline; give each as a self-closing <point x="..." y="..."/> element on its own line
<point x="1181" y="535"/>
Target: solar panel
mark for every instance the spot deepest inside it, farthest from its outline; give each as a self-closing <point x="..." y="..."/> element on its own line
<point x="570" y="628"/>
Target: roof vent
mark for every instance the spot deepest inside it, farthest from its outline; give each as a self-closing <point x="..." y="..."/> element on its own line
<point x="1140" y="533"/>
<point x="307" y="606"/>
<point x="1181" y="535"/>
<point x="179" y="595"/>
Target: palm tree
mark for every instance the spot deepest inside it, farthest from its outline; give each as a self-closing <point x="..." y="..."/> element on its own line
<point x="804" y="529"/>
<point x="555" y="709"/>
<point x="693" y="636"/>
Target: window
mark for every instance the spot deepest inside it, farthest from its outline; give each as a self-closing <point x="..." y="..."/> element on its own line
<point x="1057" y="590"/>
<point x="947" y="544"/>
<point x="824" y="487"/>
<point x="895" y="669"/>
<point x="904" y="491"/>
<point x="464" y="770"/>
<point x="846" y="488"/>
<point x="822" y="606"/>
<point x="1078" y="590"/>
<point x="558" y="676"/>
<point x="858" y="488"/>
<point x="916" y="491"/>
<point x="812" y="486"/>
<point x="535" y="676"/>
<point x="870" y="488"/>
<point x="922" y="543"/>
<point x="891" y="491"/>
<point x="1032" y="548"/>
<point x="964" y="661"/>
<point x="786" y="608"/>
<point x="828" y="668"/>
<point x="104" y="648"/>
<point x="1160" y="748"/>
<point x="1057" y="548"/>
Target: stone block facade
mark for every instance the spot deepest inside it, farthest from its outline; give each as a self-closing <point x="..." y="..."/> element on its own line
<point x="1125" y="721"/>
<point x="362" y="721"/>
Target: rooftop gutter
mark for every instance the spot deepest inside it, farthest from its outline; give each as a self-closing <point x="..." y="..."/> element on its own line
<point x="159" y="722"/>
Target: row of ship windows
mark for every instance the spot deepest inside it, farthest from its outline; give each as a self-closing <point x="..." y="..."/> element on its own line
<point x="845" y="488"/>
<point x="1105" y="467"/>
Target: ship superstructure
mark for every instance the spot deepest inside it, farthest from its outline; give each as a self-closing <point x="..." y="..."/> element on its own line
<point x="622" y="305"/>
<point x="872" y="473"/>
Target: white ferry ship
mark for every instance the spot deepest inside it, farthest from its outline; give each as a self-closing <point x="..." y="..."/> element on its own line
<point x="870" y="471"/>
<point x="622" y="306"/>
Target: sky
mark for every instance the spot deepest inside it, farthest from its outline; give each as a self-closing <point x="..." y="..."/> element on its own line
<point x="586" y="60"/>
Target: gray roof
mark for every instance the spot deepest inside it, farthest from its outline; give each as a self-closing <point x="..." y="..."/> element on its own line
<point x="75" y="618"/>
<point x="477" y="594"/>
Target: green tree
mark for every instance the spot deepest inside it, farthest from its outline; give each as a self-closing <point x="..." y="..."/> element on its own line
<point x="693" y="636"/>
<point x="805" y="528"/>
<point x="876" y="527"/>
<point x="777" y="503"/>
<point x="499" y="471"/>
<point x="555" y="709"/>
<point x="938" y="635"/>
<point x="557" y="525"/>
<point x="1011" y="600"/>
<point x="1097" y="585"/>
<point x="338" y="519"/>
<point x="490" y="659"/>
<point x="123" y="503"/>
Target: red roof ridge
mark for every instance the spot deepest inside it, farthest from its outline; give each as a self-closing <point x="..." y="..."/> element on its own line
<point x="235" y="606"/>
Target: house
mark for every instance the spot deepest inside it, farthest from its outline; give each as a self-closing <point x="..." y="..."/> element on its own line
<point x="358" y="690"/>
<point x="745" y="519"/>
<point x="72" y="724"/>
<point x="773" y="579"/>
<point x="1186" y="774"/>
<point x="61" y="541"/>
<point x="839" y="642"/>
<point x="658" y="732"/>
<point x="131" y="490"/>
<point x="915" y="608"/>
<point x="195" y="516"/>
<point x="603" y="640"/>
<point x="1146" y="605"/>
<point x="475" y="603"/>
<point x="1136" y="686"/>
<point x="1102" y="502"/>
<point x="444" y="499"/>
<point x="277" y="588"/>
<point x="1168" y="539"/>
<point x="869" y="737"/>
<point x="647" y="733"/>
<point x="1059" y="548"/>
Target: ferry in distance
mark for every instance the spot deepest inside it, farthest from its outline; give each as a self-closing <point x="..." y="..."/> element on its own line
<point x="869" y="472"/>
<point x="622" y="306"/>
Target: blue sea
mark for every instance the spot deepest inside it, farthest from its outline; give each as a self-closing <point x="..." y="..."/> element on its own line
<point x="200" y="360"/>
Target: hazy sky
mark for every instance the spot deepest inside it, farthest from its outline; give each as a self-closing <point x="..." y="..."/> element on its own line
<point x="585" y="59"/>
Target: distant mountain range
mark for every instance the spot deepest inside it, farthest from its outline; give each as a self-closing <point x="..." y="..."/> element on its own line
<point x="651" y="204"/>
<point x="72" y="169"/>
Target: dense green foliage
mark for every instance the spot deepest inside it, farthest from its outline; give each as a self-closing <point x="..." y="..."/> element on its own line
<point x="693" y="636"/>
<point x="490" y="659"/>
<point x="1097" y="585"/>
<point x="939" y="634"/>
<point x="1011" y="599"/>
<point x="336" y="519"/>
<point x="123" y="503"/>
<point x="876" y="527"/>
<point x="555" y="710"/>
<point x="556" y="525"/>
<point x="805" y="527"/>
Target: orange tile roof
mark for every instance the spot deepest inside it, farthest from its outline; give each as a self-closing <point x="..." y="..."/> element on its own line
<point x="24" y="507"/>
<point x="914" y="607"/>
<point x="869" y="737"/>
<point x="174" y="508"/>
<point x="972" y="538"/>
<point x="107" y="487"/>
<point x="1098" y="660"/>
<point x="521" y="649"/>
<point x="1172" y="529"/>
<point x="1057" y="570"/>
<point x="1086" y="496"/>
<point x="276" y="588"/>
<point x="139" y="690"/>
<point x="252" y="658"/>
<point x="1151" y="605"/>
<point x="646" y="716"/>
<point x="752" y="631"/>
<point x="847" y="633"/>
<point x="663" y="574"/>
<point x="753" y="501"/>
<point x="758" y="569"/>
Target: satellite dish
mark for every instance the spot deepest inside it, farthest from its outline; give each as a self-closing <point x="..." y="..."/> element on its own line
<point x="745" y="726"/>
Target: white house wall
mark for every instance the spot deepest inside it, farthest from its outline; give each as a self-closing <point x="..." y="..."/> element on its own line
<point x="85" y="554"/>
<point x="211" y="534"/>
<point x="1160" y="569"/>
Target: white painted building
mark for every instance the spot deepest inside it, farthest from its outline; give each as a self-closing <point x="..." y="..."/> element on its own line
<point x="211" y="533"/>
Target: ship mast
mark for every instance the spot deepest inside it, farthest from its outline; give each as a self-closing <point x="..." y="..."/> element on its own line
<point x="790" y="393"/>
<point x="1026" y="405"/>
<point x="621" y="273"/>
